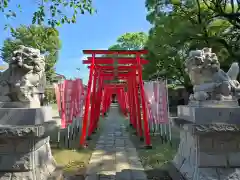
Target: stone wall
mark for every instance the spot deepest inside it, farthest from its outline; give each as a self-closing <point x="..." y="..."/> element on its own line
<point x="213" y="156"/>
<point x="25" y="154"/>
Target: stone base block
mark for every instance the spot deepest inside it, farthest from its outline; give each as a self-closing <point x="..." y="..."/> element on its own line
<point x="207" y="157"/>
<point x="25" y="116"/>
<point x="25" y="156"/>
<point x="209" y="115"/>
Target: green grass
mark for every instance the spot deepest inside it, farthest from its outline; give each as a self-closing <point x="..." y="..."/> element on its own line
<point x="54" y="106"/>
<point x="160" y="154"/>
<point x="74" y="162"/>
<point x="153" y="160"/>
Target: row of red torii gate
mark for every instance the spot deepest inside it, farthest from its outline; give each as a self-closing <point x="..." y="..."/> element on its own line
<point x="89" y="103"/>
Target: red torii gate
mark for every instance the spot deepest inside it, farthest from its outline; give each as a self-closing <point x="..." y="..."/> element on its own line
<point x="133" y="76"/>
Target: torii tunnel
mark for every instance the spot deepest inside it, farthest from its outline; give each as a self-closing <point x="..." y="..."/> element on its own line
<point x="129" y="90"/>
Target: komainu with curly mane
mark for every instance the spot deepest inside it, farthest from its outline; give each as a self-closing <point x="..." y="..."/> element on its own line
<point x="209" y="80"/>
<point x="25" y="75"/>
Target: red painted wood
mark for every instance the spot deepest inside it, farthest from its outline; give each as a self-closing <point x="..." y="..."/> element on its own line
<point x="115" y="51"/>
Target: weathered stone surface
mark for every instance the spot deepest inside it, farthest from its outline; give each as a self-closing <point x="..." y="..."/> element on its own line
<point x="124" y="175"/>
<point x="21" y="131"/>
<point x="25" y="157"/>
<point x="25" y="152"/>
<point x="210" y="115"/>
<point x="220" y="128"/>
<point x="24" y="116"/>
<point x="209" y="81"/>
<point x="203" y="156"/>
<point x="115" y="158"/>
<point x="138" y="174"/>
<point x="92" y="177"/>
<point x="219" y="143"/>
<point x="209" y="125"/>
<point x="25" y="76"/>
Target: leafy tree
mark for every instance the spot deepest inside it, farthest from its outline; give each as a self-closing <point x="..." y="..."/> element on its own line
<point x="46" y="39"/>
<point x="129" y="41"/>
<point x="181" y="26"/>
<point x="227" y="9"/>
<point x="54" y="12"/>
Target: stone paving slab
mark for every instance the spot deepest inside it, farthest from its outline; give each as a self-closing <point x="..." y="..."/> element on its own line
<point x="115" y="157"/>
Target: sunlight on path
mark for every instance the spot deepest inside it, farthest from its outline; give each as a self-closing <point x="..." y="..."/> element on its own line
<point x="115" y="157"/>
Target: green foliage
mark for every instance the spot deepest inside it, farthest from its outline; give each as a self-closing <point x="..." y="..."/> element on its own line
<point x="129" y="41"/>
<point x="54" y="12"/>
<point x="50" y="96"/>
<point x="45" y="39"/>
<point x="183" y="25"/>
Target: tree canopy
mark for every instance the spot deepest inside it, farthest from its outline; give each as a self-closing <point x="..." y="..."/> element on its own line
<point x="52" y="12"/>
<point x="179" y="26"/>
<point x="46" y="39"/>
<point x="129" y="41"/>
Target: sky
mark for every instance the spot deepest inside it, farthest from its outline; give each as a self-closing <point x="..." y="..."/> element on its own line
<point x="98" y="31"/>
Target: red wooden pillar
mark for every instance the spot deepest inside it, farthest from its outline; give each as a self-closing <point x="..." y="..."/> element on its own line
<point x="87" y="103"/>
<point x="105" y="100"/>
<point x="138" y="108"/>
<point x="109" y="99"/>
<point x="129" y="103"/>
<point x="123" y="99"/>
<point x="118" y="94"/>
<point x="99" y="100"/>
<point x="93" y="105"/>
<point x="133" y="104"/>
<point x="144" y="109"/>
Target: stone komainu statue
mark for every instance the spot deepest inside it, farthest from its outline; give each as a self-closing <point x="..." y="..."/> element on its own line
<point x="209" y="81"/>
<point x="25" y="75"/>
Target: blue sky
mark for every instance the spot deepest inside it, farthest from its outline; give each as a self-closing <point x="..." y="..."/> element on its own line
<point x="99" y="31"/>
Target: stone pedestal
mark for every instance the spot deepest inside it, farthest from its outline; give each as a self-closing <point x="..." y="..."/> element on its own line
<point x="25" y="151"/>
<point x="209" y="146"/>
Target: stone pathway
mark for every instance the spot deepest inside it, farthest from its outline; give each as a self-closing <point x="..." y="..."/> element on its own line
<point x="115" y="157"/>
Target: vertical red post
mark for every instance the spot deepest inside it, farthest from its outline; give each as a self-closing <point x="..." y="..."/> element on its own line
<point x="145" y="118"/>
<point x="138" y="108"/>
<point x="130" y="103"/>
<point x="100" y="92"/>
<point x="133" y="104"/>
<point x="87" y="103"/>
<point x="93" y="104"/>
<point x="105" y="99"/>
